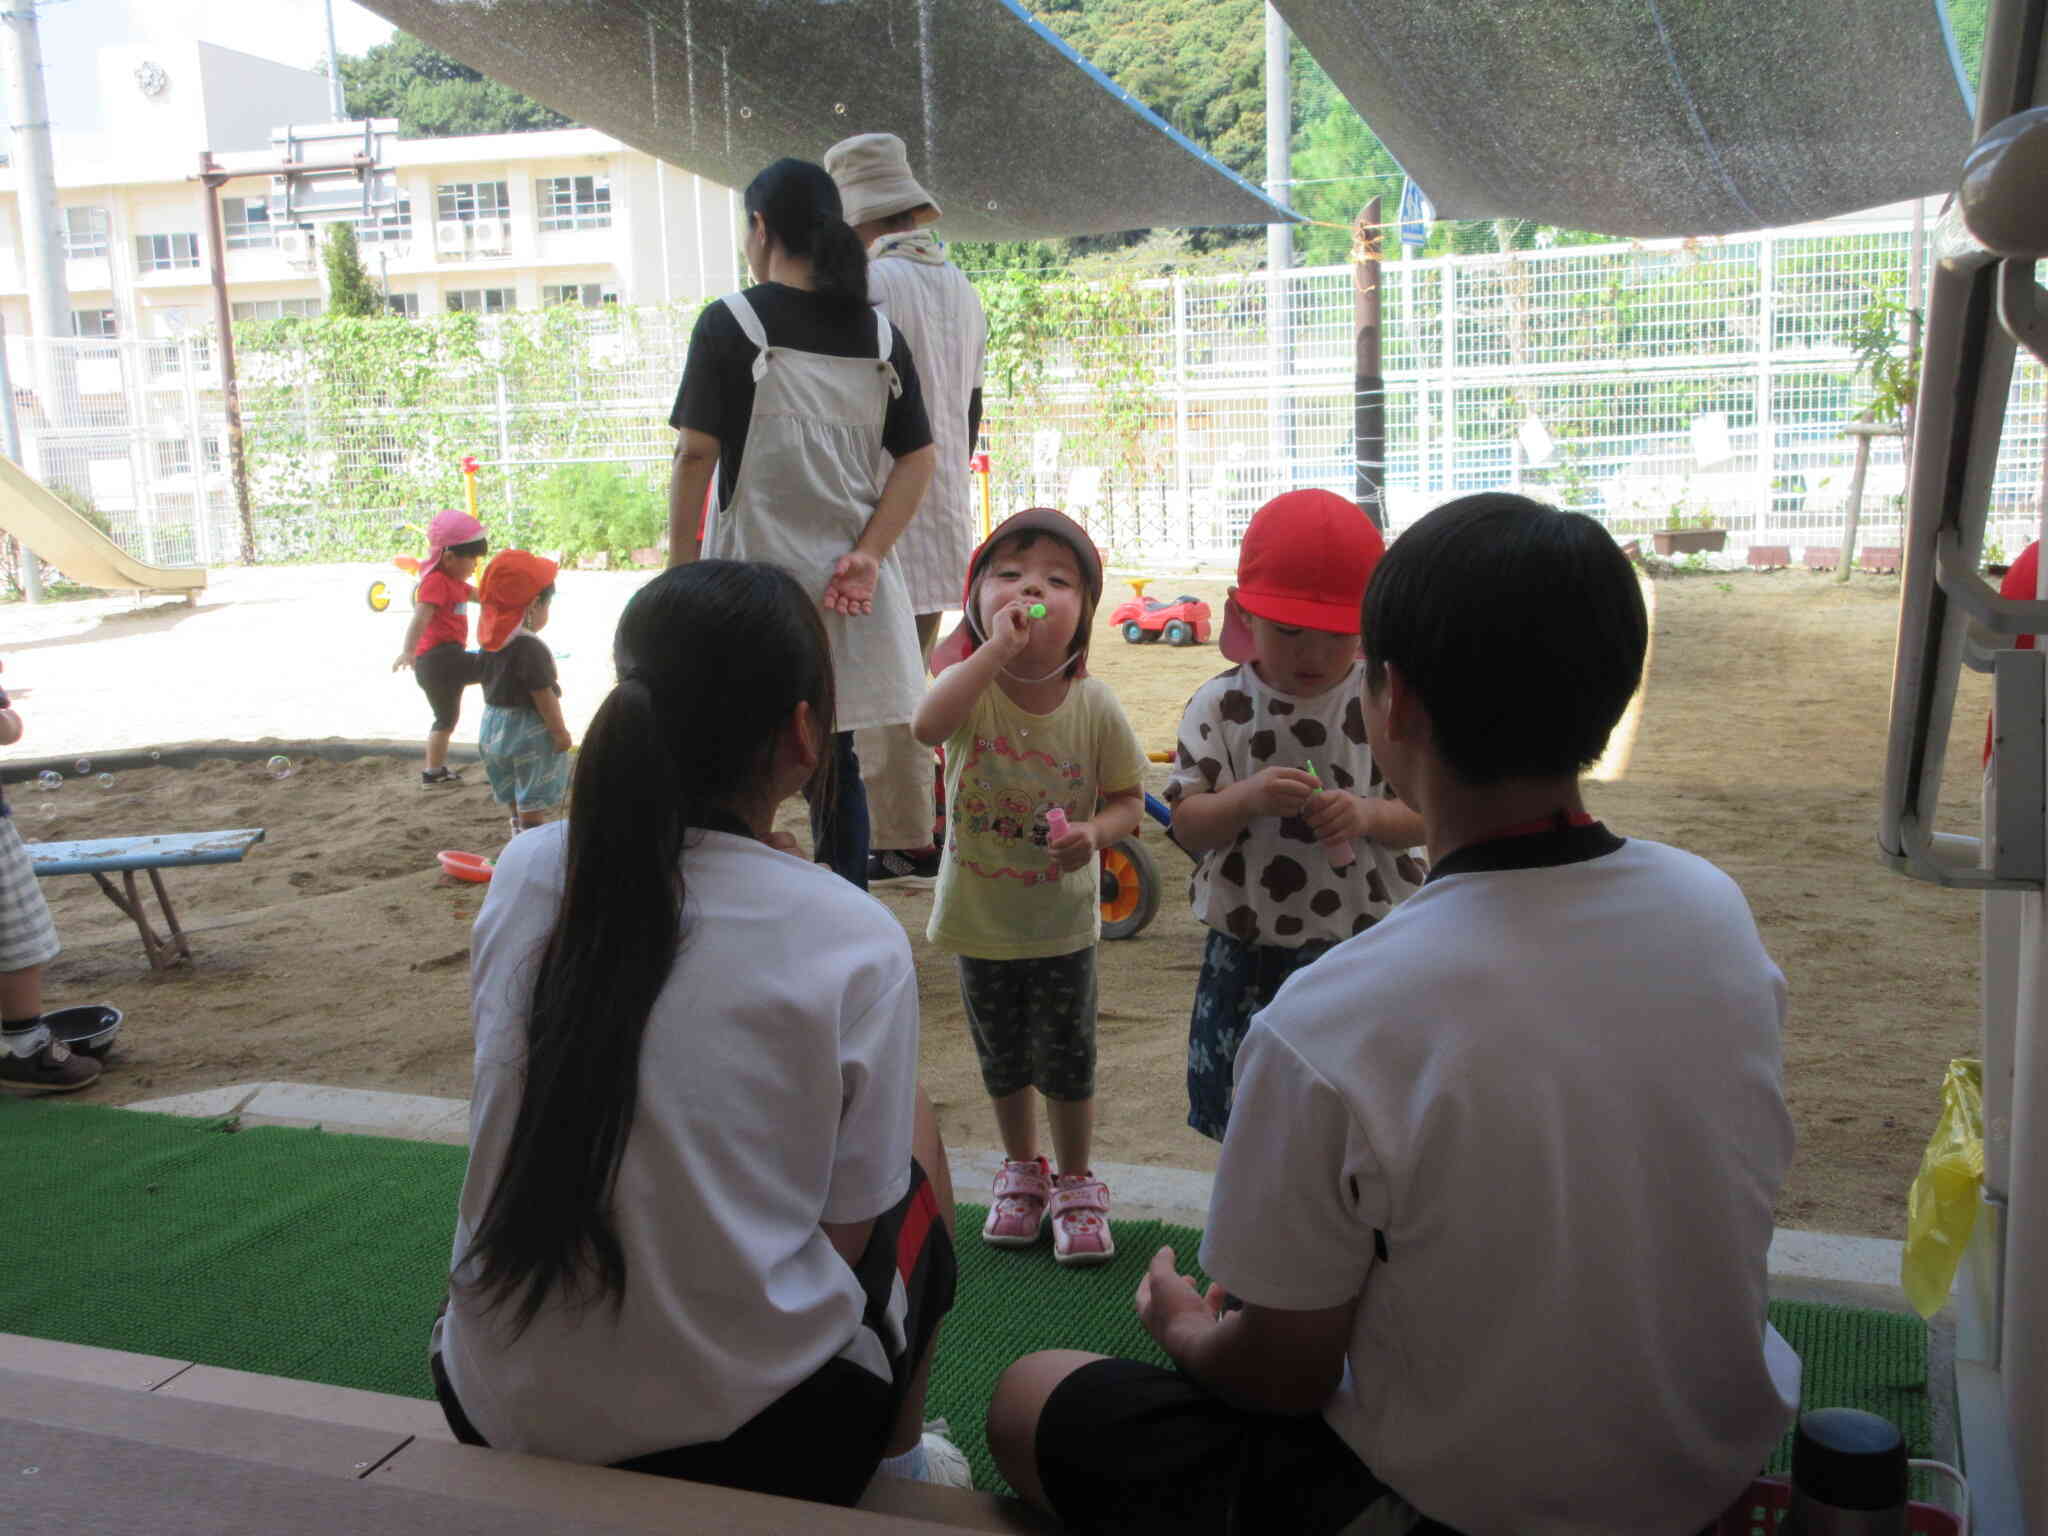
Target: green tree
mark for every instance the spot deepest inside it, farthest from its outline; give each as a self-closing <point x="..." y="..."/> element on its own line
<point x="349" y="289"/>
<point x="434" y="96"/>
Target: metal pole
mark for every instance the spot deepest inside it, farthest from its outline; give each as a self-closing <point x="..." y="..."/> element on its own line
<point x="49" y="303"/>
<point x="336" y="97"/>
<point x="1368" y="377"/>
<point x="1916" y="301"/>
<point x="211" y="178"/>
<point x="10" y="434"/>
<point x="1279" y="138"/>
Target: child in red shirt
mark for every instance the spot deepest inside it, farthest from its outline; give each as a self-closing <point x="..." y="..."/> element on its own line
<point x="436" y="642"/>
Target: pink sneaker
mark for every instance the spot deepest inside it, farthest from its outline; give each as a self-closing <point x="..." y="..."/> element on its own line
<point x="1080" y="1220"/>
<point x="1016" y="1207"/>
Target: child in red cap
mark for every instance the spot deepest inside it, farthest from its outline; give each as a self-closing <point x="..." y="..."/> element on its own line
<point x="437" y="641"/>
<point x="1299" y="841"/>
<point x="524" y="742"/>
<point x="1042" y="772"/>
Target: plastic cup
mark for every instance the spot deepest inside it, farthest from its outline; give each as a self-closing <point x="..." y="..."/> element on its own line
<point x="1056" y="824"/>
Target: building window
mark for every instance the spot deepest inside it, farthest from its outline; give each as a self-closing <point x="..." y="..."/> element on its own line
<point x="482" y="301"/>
<point x="405" y="304"/>
<point x="173" y="458"/>
<point x="94" y="322"/>
<point x="388" y="224"/>
<point x="85" y="232"/>
<point x="472" y="200"/>
<point x="575" y="202"/>
<point x="277" y="309"/>
<point x="585" y="295"/>
<point x="166" y="253"/>
<point x="246" y="222"/>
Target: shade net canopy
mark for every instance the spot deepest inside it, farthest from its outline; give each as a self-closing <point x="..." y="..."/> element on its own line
<point x="1010" y="130"/>
<point x="1652" y="117"/>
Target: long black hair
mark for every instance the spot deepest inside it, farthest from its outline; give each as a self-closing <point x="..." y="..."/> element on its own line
<point x="712" y="659"/>
<point x="799" y="204"/>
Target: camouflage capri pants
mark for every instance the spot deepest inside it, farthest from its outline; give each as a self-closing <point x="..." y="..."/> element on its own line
<point x="1033" y="1023"/>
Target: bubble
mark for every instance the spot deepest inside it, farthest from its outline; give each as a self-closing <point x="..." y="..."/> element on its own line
<point x="49" y="810"/>
<point x="991" y="205"/>
<point x="280" y="767"/>
<point x="746" y="111"/>
<point x="84" y="766"/>
<point x="106" y="781"/>
<point x="49" y="779"/>
<point x="155" y="756"/>
<point x="839" y="107"/>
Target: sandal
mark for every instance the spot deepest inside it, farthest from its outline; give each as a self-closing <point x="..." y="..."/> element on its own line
<point x="1080" y="1220"/>
<point x="1016" y="1208"/>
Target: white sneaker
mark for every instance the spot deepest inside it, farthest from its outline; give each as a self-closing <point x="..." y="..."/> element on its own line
<point x="945" y="1464"/>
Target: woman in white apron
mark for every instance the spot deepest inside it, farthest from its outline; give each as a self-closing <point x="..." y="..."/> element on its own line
<point x="806" y="403"/>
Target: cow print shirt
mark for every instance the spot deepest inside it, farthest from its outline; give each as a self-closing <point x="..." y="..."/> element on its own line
<point x="1275" y="884"/>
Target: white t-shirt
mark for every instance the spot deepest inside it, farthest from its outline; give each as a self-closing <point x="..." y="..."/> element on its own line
<point x="1274" y="883"/>
<point x="1569" y="1139"/>
<point x="777" y="1080"/>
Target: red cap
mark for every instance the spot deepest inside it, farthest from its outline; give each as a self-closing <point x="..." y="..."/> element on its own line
<point x="1305" y="561"/>
<point x="511" y="582"/>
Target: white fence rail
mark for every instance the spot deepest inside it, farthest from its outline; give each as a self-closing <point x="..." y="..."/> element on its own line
<point x="1635" y="382"/>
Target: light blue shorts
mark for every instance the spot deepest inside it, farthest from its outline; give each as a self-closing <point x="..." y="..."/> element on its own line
<point x="525" y="770"/>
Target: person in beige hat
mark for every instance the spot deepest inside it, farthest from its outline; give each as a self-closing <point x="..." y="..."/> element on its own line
<point x="933" y="304"/>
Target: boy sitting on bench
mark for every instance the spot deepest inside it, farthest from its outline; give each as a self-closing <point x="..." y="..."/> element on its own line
<point x="1496" y="1194"/>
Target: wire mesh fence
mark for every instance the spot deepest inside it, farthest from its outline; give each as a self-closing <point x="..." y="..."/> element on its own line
<point x="1649" y="384"/>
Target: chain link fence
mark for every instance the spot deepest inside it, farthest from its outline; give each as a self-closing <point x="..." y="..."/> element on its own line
<point x="1646" y="383"/>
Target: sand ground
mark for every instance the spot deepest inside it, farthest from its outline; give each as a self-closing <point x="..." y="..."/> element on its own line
<point x="337" y="953"/>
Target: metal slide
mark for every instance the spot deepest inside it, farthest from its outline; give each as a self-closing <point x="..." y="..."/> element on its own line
<point x="1983" y="299"/>
<point x="30" y="513"/>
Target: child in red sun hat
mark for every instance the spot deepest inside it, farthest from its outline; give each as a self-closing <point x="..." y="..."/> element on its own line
<point x="524" y="743"/>
<point x="1299" y="841"/>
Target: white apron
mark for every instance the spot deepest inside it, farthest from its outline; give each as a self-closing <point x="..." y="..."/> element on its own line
<point x="810" y="476"/>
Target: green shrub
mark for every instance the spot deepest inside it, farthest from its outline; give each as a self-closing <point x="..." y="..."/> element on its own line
<point x="596" y="509"/>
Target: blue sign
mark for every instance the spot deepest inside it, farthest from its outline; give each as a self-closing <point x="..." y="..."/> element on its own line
<point x="1416" y="213"/>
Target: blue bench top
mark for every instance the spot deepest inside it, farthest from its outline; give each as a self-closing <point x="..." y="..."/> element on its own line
<point x="169" y="850"/>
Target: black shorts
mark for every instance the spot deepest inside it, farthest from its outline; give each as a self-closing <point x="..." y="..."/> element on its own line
<point x="824" y="1437"/>
<point x="1127" y="1447"/>
<point x="442" y="674"/>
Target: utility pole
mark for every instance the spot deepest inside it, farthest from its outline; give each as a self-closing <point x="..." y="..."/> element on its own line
<point x="1279" y="250"/>
<point x="49" y="302"/>
<point x="10" y="439"/>
<point x="337" y="101"/>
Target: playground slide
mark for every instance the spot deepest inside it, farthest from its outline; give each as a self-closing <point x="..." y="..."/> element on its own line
<point x="85" y="555"/>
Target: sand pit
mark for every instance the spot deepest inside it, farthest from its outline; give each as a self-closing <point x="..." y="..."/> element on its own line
<point x="336" y="953"/>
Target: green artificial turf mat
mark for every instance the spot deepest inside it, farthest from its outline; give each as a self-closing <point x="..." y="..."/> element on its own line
<point x="322" y="1258"/>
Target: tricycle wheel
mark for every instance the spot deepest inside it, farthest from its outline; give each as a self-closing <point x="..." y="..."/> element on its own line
<point x="1134" y="632"/>
<point x="1130" y="889"/>
<point x="1179" y="633"/>
<point x="380" y="597"/>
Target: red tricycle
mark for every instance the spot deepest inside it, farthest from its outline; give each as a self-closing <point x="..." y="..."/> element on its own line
<point x="1142" y="619"/>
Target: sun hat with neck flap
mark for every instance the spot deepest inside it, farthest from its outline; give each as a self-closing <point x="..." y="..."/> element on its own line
<point x="448" y="529"/>
<point x="511" y="583"/>
<point x="1304" y="563"/>
<point x="966" y="639"/>
<point x="872" y="171"/>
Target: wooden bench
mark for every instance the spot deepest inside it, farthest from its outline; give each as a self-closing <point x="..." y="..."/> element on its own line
<point x="119" y="1441"/>
<point x="151" y="855"/>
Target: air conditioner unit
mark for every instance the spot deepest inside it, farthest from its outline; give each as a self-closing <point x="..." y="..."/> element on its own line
<point x="451" y="237"/>
<point x="296" y="246"/>
<point x="494" y="236"/>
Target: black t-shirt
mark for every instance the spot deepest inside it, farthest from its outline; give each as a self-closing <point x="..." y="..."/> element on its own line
<point x="716" y="396"/>
<point x="518" y="670"/>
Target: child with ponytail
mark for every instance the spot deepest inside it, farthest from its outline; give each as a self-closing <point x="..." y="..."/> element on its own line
<point x="700" y="1164"/>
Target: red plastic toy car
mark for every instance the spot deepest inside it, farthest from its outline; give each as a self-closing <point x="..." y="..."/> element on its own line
<point x="1183" y="621"/>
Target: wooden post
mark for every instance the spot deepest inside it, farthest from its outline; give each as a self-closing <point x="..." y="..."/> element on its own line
<point x="1368" y="380"/>
<point x="211" y="177"/>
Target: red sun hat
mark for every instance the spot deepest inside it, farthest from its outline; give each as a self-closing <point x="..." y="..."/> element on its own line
<point x="511" y="582"/>
<point x="1305" y="561"/>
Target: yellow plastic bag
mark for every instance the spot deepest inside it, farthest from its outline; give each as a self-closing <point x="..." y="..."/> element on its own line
<point x="1941" y="1208"/>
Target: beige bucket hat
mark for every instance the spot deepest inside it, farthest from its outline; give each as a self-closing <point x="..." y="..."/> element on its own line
<point x="872" y="171"/>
